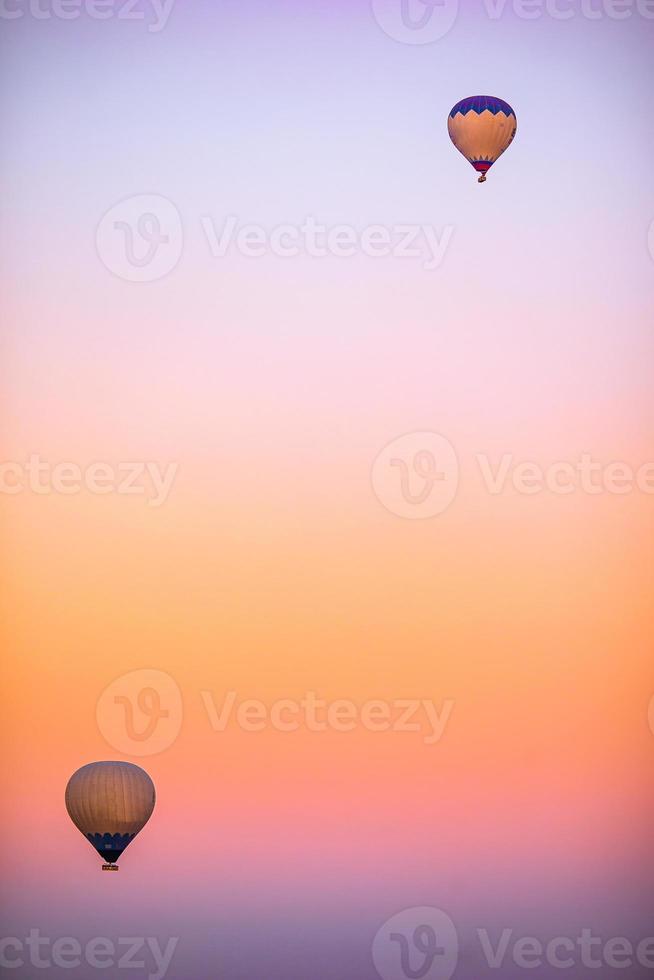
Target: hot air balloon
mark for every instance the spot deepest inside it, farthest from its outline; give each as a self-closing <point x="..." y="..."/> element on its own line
<point x="110" y="803"/>
<point x="482" y="127"/>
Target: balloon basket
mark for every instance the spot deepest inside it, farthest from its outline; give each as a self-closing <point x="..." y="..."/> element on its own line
<point x="110" y="867"/>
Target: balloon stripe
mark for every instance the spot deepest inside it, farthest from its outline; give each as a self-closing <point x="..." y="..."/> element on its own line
<point x="482" y="103"/>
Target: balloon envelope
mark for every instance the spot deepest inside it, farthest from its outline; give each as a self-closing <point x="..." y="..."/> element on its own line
<point x="110" y="802"/>
<point x="482" y="127"/>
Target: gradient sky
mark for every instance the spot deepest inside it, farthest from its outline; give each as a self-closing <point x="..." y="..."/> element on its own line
<point x="273" y="569"/>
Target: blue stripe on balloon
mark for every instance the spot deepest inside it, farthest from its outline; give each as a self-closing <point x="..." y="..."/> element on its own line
<point x="481" y="103"/>
<point x="115" y="843"/>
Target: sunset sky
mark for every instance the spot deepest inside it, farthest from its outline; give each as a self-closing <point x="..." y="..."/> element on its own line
<point x="276" y="564"/>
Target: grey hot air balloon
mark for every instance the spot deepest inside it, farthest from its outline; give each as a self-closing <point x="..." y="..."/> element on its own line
<point x="110" y="802"/>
